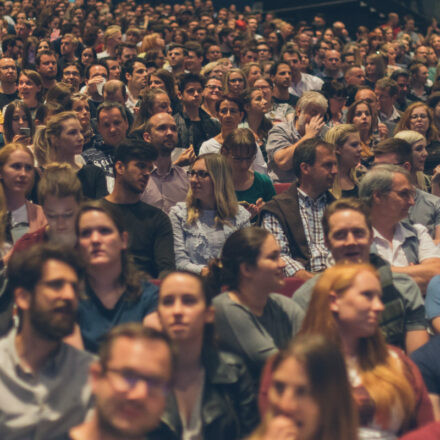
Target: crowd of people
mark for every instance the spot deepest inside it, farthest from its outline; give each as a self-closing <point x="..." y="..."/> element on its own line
<point x="216" y="224"/>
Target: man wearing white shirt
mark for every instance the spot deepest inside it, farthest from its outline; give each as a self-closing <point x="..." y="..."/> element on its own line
<point x="407" y="247"/>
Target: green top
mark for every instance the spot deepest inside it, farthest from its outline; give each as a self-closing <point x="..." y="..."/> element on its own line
<point x="262" y="187"/>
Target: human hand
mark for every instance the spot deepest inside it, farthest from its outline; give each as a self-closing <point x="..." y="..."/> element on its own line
<point x="22" y="139"/>
<point x="281" y="428"/>
<point x="314" y="126"/>
<point x="383" y="130"/>
<point x="186" y="158"/>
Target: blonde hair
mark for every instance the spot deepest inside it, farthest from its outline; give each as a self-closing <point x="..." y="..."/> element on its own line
<point x="45" y="151"/>
<point x="381" y="373"/>
<point x="110" y="31"/>
<point x="337" y="136"/>
<point x="149" y="42"/>
<point x="224" y="192"/>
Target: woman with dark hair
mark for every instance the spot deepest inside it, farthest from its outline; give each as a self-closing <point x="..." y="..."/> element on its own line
<point x="88" y="56"/>
<point x="375" y="69"/>
<point x="18" y="125"/>
<point x="306" y="377"/>
<point x="361" y="115"/>
<point x="387" y="387"/>
<point x="251" y="321"/>
<point x="234" y="82"/>
<point x="212" y="395"/>
<point x="30" y="89"/>
<point x="114" y="290"/>
<point x="275" y="42"/>
<point x="162" y="79"/>
<point x="336" y="94"/>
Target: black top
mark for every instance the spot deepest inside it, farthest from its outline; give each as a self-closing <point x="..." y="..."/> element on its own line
<point x="93" y="182"/>
<point x="150" y="237"/>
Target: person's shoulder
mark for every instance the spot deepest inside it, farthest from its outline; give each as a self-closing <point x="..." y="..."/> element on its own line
<point x="179" y="209"/>
<point x="222" y="300"/>
<point x="283" y="301"/>
<point x="78" y="357"/>
<point x="262" y="178"/>
<point x="431" y="349"/>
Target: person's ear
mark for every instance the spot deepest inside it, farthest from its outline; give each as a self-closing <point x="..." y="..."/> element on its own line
<point x="407" y="166"/>
<point x="245" y="270"/>
<point x="95" y="371"/>
<point x="128" y="76"/>
<point x="119" y="167"/>
<point x="334" y="301"/>
<point x="210" y="315"/>
<point x="305" y="168"/>
<point x="147" y="137"/>
<point x="124" y="237"/>
<point x="22" y="298"/>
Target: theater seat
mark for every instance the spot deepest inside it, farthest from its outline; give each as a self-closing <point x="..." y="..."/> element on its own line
<point x="281" y="187"/>
<point x="291" y="284"/>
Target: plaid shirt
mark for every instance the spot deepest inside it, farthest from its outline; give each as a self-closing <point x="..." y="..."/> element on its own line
<point x="311" y="212"/>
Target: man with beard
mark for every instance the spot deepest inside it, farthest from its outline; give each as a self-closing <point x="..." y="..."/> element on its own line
<point x="130" y="383"/>
<point x="8" y="81"/>
<point x="46" y="65"/>
<point x="168" y="183"/>
<point x="150" y="235"/>
<point x="43" y="381"/>
<point x="134" y="73"/>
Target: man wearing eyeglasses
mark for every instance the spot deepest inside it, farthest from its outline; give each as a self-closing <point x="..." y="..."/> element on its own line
<point x="43" y="381"/>
<point x="406" y="246"/>
<point x="130" y="382"/>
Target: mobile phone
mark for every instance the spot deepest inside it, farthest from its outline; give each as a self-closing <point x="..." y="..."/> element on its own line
<point x="244" y="203"/>
<point x="25" y="131"/>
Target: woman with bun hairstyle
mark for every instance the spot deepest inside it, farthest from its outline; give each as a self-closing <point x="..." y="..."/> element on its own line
<point x="250" y="319"/>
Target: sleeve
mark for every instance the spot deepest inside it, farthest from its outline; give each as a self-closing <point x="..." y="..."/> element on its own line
<point x="150" y="298"/>
<point x="182" y="258"/>
<point x="432" y="300"/>
<point x="427" y="247"/>
<point x="278" y="138"/>
<point x="240" y="332"/>
<point x="101" y="184"/>
<point x="271" y="223"/>
<point x="163" y="244"/>
<point x="259" y="165"/>
<point x="426" y="360"/>
<point x="413" y="301"/>
<point x="302" y="295"/>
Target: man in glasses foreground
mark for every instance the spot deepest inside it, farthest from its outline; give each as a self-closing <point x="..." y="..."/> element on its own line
<point x="130" y="382"/>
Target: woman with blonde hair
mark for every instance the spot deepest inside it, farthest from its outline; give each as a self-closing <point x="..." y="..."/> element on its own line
<point x="209" y="216"/>
<point x="374" y="69"/>
<point x="17" y="215"/>
<point x="346" y="139"/>
<point x="387" y="387"/>
<point x="61" y="140"/>
<point x="152" y="42"/>
<point x="300" y="393"/>
<point x="234" y="83"/>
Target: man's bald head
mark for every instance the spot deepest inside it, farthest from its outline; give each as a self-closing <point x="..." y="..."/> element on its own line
<point x="161" y="132"/>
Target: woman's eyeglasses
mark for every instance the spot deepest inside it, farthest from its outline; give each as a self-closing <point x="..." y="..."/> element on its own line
<point x="200" y="174"/>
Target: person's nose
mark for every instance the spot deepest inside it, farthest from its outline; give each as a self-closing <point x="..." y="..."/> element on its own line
<point x="378" y="305"/>
<point x="68" y="292"/>
<point x="95" y="236"/>
<point x="288" y="403"/>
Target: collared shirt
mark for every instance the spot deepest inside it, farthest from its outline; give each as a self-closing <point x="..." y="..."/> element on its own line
<point x="390" y="121"/>
<point x="43" y="405"/>
<point x="306" y="83"/>
<point x="395" y="253"/>
<point x="311" y="212"/>
<point x="164" y="190"/>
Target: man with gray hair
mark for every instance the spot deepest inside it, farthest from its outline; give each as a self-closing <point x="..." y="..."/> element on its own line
<point x="388" y="190"/>
<point x="285" y="137"/>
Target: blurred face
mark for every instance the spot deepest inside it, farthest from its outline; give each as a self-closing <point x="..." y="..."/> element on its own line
<point x="249" y="57"/>
<point x="112" y="126"/>
<point x="98" y="71"/>
<point x="66" y="47"/>
<point x="356" y="77"/>
<point x="422" y="75"/>
<point x="128" y="53"/>
<point x="8" y="70"/>
<point x="134" y="175"/>
<point x="82" y="110"/>
<point x="114" y="68"/>
<point x="362" y="117"/>
<point x="290" y="396"/>
<point x="403" y="83"/>
<point x="182" y="308"/>
<point x="358" y="308"/>
<point x="71" y="140"/>
<point x="17" y="173"/>
<point x="99" y="240"/>
<point x="258" y="103"/>
<point x="419" y="155"/>
<point x="60" y="213"/>
<point x="305" y="116"/>
<point x="350" y="153"/>
<point x="19" y="120"/>
<point x="236" y="83"/>
<point x="254" y="74"/>
<point x="48" y="67"/>
<point x="87" y="57"/>
<point x="370" y="67"/>
<point x="324" y="170"/>
<point x="72" y="76"/>
<point x="176" y="57"/>
<point x="384" y="100"/>
<point x="162" y="104"/>
<point x="229" y="115"/>
<point x="332" y="60"/>
<point x="283" y="77"/>
<point x="27" y="89"/>
<point x="213" y="90"/>
<point x="138" y="78"/>
<point x="419" y="120"/>
<point x="54" y="301"/>
<point x="163" y="134"/>
<point x="397" y="202"/>
<point x="349" y="238"/>
<point x="131" y="389"/>
<point x="43" y="45"/>
<point x="269" y="269"/>
<point x="213" y="53"/>
<point x="156" y="83"/>
<point x="201" y="183"/>
<point x="369" y="96"/>
<point x="263" y="52"/>
<point x="192" y="95"/>
<point x="264" y="86"/>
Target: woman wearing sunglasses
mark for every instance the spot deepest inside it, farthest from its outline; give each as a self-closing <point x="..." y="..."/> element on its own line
<point x="209" y="216"/>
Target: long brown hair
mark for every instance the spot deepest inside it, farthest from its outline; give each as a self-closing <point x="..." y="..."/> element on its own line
<point x="381" y="373"/>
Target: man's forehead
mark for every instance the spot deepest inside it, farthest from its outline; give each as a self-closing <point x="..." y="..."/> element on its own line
<point x="400" y="181"/>
<point x="347" y="217"/>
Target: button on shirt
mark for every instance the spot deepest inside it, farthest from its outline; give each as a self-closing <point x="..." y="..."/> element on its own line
<point x="165" y="190"/>
<point x="43" y="405"/>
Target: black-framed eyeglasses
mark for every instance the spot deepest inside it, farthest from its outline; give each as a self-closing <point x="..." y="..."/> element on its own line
<point x="200" y="174"/>
<point x="126" y="380"/>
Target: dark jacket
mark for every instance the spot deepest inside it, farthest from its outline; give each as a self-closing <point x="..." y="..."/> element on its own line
<point x="285" y="207"/>
<point x="229" y="406"/>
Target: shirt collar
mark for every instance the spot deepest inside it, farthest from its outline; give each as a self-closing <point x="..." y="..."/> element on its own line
<point x="306" y="198"/>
